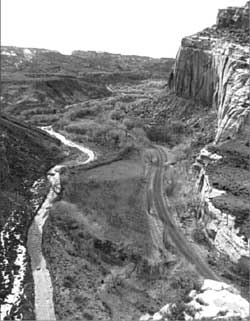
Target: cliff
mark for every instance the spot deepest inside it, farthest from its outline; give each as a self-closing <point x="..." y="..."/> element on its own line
<point x="212" y="68"/>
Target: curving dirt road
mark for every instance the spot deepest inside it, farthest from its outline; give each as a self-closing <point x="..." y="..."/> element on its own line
<point x="164" y="212"/>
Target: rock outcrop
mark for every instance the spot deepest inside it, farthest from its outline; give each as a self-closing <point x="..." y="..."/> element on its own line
<point x="212" y="68"/>
<point x="215" y="300"/>
<point x="234" y="17"/>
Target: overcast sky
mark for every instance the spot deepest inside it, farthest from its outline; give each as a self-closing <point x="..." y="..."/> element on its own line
<point x="143" y="27"/>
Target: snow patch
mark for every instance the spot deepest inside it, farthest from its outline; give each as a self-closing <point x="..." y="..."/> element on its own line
<point x="44" y="307"/>
<point x="213" y="156"/>
<point x="8" y="53"/>
<point x="14" y="298"/>
<point x="215" y="299"/>
<point x="219" y="299"/>
<point x="28" y="54"/>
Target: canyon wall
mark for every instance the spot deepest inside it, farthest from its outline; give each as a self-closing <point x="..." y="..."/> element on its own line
<point x="212" y="68"/>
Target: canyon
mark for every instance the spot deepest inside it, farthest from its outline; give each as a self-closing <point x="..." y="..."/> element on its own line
<point x="125" y="181"/>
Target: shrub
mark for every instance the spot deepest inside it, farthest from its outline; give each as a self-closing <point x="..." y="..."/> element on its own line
<point x="169" y="133"/>
<point x="176" y="127"/>
<point x="44" y="119"/>
<point x="88" y="316"/>
<point x="128" y="149"/>
<point x="82" y="112"/>
<point x="116" y="114"/>
<point x="128" y="123"/>
<point x="171" y="183"/>
<point x="79" y="114"/>
<point x="158" y="134"/>
<point x="81" y="300"/>
<point x="185" y="282"/>
<point x="182" y="151"/>
<point x="76" y="128"/>
<point x="67" y="213"/>
<point x="243" y="267"/>
<point x="199" y="237"/>
<point x="177" y="311"/>
<point x="69" y="281"/>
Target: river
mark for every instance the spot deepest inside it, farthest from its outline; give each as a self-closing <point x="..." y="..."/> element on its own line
<point x="43" y="290"/>
<point x="44" y="307"/>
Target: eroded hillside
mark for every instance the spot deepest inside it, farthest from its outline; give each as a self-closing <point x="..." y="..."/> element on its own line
<point x="37" y="84"/>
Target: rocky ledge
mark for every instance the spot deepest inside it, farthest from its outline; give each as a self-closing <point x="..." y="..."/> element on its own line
<point x="213" y="301"/>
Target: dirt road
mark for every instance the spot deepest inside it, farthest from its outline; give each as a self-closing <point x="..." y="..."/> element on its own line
<point x="165" y="214"/>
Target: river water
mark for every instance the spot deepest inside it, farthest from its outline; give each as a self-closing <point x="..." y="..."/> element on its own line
<point x="43" y="290"/>
<point x="44" y="307"/>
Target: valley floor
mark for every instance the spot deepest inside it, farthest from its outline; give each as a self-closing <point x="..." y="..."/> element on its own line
<point x="111" y="251"/>
<point x="121" y="240"/>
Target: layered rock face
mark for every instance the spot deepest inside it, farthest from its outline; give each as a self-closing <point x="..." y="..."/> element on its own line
<point x="234" y="16"/>
<point x="212" y="68"/>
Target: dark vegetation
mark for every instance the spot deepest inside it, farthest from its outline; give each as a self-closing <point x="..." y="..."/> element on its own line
<point x="21" y="145"/>
<point x="170" y="133"/>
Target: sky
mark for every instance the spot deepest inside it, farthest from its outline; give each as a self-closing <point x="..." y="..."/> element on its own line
<point x="142" y="27"/>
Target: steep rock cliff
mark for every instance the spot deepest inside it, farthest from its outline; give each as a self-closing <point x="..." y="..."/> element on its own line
<point x="212" y="68"/>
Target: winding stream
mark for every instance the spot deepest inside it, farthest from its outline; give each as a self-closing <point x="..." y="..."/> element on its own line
<point x="44" y="307"/>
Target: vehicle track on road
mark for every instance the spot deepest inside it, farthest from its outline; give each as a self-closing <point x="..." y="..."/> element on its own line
<point x="165" y="214"/>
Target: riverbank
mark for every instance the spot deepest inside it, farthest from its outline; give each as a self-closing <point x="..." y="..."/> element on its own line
<point x="43" y="289"/>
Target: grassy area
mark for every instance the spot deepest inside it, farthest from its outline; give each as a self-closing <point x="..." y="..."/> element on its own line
<point x="98" y="246"/>
<point x="102" y="224"/>
<point x="95" y="192"/>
